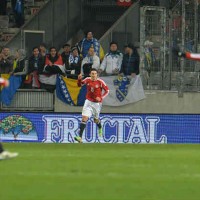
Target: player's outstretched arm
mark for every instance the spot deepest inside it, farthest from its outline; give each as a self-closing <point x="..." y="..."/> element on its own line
<point x="4" y="82"/>
<point x="192" y="56"/>
<point x="80" y="81"/>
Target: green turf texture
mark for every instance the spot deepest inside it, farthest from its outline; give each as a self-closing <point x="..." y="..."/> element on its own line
<point x="101" y="172"/>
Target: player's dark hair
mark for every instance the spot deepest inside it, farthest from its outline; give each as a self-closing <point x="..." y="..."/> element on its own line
<point x="93" y="69"/>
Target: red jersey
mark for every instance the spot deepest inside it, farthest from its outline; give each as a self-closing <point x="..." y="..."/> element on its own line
<point x="94" y="88"/>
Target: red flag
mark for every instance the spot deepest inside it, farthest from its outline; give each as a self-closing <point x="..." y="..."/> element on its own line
<point x="124" y="3"/>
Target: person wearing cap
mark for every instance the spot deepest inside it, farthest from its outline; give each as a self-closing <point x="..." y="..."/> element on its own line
<point x="65" y="54"/>
<point x="87" y="42"/>
<point x="130" y="62"/>
<point x="73" y="67"/>
<point x="112" y="61"/>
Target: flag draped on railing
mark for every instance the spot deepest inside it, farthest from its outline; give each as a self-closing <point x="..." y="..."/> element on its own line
<point x="123" y="90"/>
<point x="7" y="93"/>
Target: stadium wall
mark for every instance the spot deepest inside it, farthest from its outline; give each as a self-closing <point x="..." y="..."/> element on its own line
<point x="155" y="102"/>
<point x="117" y="128"/>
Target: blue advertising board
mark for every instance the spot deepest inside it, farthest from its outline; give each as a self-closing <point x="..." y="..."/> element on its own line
<point x="117" y="128"/>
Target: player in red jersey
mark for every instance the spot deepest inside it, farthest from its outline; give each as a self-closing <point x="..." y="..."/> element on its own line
<point x="5" y="154"/>
<point x="97" y="90"/>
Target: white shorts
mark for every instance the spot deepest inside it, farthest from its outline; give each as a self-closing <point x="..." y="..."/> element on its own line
<point x="91" y="109"/>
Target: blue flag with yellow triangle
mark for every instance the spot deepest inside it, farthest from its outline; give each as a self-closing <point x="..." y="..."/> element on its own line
<point x="68" y="91"/>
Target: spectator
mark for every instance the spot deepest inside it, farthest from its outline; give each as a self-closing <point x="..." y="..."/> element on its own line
<point x="43" y="49"/>
<point x="49" y="69"/>
<point x="125" y="49"/>
<point x="90" y="61"/>
<point x="18" y="10"/>
<point x="130" y="62"/>
<point x="3" y="7"/>
<point x="34" y="62"/>
<point x="65" y="54"/>
<point x="20" y="65"/>
<point x="112" y="61"/>
<point x="73" y="68"/>
<point x="87" y="42"/>
<point x="6" y="61"/>
<point x="149" y="56"/>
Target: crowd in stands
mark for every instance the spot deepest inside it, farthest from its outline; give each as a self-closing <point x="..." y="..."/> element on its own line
<point x="41" y="68"/>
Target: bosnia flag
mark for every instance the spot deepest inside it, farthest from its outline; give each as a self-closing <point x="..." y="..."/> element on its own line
<point x="8" y="93"/>
<point x="68" y="91"/>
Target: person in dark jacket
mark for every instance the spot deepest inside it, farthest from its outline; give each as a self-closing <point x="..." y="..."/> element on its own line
<point x="35" y="60"/>
<point x="65" y="54"/>
<point x="130" y="62"/>
<point x="20" y="66"/>
<point x="6" y="61"/>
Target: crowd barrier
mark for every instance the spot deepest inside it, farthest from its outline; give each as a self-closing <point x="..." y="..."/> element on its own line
<point x="117" y="128"/>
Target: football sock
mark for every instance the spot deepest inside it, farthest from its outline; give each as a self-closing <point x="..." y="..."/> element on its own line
<point x="99" y="124"/>
<point x="1" y="148"/>
<point x="82" y="128"/>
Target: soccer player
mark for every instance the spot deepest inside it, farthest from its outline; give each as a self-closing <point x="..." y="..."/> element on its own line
<point x="97" y="90"/>
<point x="5" y="154"/>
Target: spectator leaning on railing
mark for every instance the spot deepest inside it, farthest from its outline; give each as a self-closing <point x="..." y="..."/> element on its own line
<point x="34" y="61"/>
<point x="130" y="62"/>
<point x="48" y="71"/>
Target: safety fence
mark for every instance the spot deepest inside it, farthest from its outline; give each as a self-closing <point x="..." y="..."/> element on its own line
<point x="162" y="31"/>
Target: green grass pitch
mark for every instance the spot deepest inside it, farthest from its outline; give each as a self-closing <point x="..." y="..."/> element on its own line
<point x="101" y="172"/>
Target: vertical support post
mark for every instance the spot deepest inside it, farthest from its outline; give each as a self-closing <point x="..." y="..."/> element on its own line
<point x="52" y="27"/>
<point x="142" y="39"/>
<point x="181" y="88"/>
<point x="163" y="45"/>
<point x="195" y="25"/>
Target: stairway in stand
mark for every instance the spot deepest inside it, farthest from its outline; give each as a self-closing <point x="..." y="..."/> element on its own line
<point x="7" y="23"/>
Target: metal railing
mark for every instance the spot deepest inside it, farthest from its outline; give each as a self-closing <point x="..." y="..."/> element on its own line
<point x="31" y="100"/>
